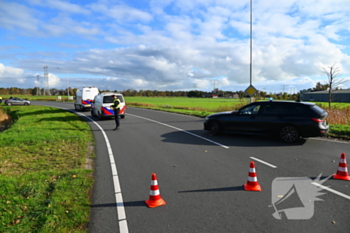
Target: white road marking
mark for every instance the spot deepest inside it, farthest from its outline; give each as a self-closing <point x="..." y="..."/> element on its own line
<point x="331" y="190"/>
<point x="263" y="162"/>
<point x="173" y="127"/>
<point x="123" y="225"/>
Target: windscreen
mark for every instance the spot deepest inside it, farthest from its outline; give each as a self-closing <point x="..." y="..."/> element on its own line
<point x="109" y="99"/>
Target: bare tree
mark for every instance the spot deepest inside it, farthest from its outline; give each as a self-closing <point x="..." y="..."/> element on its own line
<point x="333" y="73"/>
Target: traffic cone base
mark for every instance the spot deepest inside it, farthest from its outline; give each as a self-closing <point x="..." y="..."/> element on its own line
<point x="342" y="172"/>
<point x="252" y="183"/>
<point x="152" y="204"/>
<point x="252" y="188"/>
<point x="339" y="177"/>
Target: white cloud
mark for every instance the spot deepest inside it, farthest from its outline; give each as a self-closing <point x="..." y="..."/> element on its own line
<point x="172" y="44"/>
<point x="10" y="18"/>
<point x="121" y="13"/>
<point x="64" y="6"/>
<point x="7" y="72"/>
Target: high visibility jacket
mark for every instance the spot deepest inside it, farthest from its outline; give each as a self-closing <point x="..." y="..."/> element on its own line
<point x="116" y="103"/>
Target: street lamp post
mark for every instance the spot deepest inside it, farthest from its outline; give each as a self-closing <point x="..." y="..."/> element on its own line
<point x="67" y="80"/>
<point x="251" y="62"/>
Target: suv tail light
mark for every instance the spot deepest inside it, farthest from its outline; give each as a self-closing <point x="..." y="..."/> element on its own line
<point x="317" y="120"/>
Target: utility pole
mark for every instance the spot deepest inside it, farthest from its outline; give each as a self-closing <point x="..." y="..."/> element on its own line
<point x="283" y="87"/>
<point x="46" y="78"/>
<point x="37" y="84"/>
<point x="214" y="84"/>
<point x="251" y="46"/>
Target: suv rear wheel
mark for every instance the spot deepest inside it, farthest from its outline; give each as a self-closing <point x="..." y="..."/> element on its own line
<point x="289" y="133"/>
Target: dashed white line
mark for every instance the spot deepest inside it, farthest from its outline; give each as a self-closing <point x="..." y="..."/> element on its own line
<point x="331" y="190"/>
<point x="263" y="162"/>
<point x="173" y="127"/>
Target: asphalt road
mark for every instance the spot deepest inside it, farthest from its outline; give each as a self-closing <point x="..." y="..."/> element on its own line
<point x="201" y="178"/>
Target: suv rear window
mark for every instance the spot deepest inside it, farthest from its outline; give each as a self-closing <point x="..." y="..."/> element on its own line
<point x="318" y="110"/>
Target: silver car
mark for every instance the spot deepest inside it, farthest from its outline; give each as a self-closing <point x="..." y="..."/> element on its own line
<point x="17" y="101"/>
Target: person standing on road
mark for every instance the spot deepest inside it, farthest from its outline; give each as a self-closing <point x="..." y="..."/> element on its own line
<point x="116" y="108"/>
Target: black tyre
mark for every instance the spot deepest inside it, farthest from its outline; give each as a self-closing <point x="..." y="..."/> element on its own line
<point x="25" y="104"/>
<point x="92" y="113"/>
<point x="289" y="133"/>
<point x="214" y="128"/>
<point x="9" y="104"/>
<point x="76" y="108"/>
<point x="100" y="116"/>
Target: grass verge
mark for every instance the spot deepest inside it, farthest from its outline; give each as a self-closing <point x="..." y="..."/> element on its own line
<point x="44" y="180"/>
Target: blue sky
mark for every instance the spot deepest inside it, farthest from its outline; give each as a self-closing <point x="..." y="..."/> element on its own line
<point x="173" y="44"/>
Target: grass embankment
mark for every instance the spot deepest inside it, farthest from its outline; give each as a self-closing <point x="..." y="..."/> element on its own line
<point x="338" y="116"/>
<point x="44" y="180"/>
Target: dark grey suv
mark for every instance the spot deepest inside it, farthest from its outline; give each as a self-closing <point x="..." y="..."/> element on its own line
<point x="286" y="119"/>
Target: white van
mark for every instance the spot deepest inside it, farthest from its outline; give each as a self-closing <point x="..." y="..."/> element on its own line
<point x="102" y="103"/>
<point x="84" y="97"/>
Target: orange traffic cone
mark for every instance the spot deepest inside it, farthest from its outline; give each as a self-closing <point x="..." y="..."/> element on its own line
<point x="252" y="183"/>
<point x="154" y="195"/>
<point x="342" y="173"/>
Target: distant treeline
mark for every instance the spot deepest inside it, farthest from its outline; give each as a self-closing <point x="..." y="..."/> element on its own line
<point x="148" y="93"/>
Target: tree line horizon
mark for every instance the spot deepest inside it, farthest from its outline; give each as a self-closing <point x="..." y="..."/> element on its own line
<point x="154" y="93"/>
